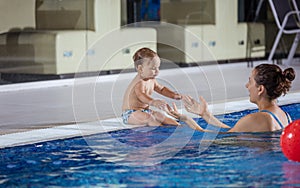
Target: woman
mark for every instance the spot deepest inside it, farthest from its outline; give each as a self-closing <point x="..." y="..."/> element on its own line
<point x="266" y="83"/>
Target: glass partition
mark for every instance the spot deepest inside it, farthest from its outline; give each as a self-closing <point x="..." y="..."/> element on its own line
<point x="65" y="14"/>
<point x="188" y="12"/>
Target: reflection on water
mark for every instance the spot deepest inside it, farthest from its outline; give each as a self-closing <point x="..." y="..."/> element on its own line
<point x="291" y="172"/>
<point x="260" y="141"/>
<point x="231" y="160"/>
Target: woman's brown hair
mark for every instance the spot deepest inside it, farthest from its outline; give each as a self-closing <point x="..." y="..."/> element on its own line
<point x="276" y="81"/>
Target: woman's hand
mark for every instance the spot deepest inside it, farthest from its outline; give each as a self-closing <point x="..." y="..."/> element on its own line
<point x="174" y="112"/>
<point x="187" y="120"/>
<point x="191" y="105"/>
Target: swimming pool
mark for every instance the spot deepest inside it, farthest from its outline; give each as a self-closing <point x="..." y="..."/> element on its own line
<point x="235" y="159"/>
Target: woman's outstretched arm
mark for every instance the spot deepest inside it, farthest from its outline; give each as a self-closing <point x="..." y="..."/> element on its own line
<point x="201" y="109"/>
<point x="184" y="118"/>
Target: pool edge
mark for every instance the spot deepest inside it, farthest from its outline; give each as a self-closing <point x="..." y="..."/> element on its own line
<point x="89" y="128"/>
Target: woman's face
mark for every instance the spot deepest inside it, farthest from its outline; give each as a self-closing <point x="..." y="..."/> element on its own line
<point x="252" y="87"/>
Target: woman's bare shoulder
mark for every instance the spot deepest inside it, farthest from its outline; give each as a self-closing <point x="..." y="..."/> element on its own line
<point x="255" y="122"/>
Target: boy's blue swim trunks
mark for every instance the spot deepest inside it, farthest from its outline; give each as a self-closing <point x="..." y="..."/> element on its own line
<point x="127" y="113"/>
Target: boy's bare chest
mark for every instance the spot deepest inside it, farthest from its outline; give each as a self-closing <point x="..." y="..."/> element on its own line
<point x="149" y="87"/>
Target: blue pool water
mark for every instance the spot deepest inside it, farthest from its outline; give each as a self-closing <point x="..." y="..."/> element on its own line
<point x="233" y="160"/>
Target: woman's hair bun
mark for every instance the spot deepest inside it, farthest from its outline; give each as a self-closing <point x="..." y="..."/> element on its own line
<point x="289" y="74"/>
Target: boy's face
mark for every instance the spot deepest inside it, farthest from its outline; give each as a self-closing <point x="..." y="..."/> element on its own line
<point x="150" y="69"/>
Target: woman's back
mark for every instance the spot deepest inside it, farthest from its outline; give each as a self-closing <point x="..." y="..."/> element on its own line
<point x="262" y="121"/>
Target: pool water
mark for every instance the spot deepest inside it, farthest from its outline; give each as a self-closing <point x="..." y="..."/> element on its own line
<point x="233" y="160"/>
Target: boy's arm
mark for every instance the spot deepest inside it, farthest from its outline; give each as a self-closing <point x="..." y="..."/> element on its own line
<point x="166" y="91"/>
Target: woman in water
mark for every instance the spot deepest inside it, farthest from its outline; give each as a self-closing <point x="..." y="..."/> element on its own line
<point x="266" y="83"/>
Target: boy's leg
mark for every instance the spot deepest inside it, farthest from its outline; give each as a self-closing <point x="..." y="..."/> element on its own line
<point x="143" y="118"/>
<point x="164" y="119"/>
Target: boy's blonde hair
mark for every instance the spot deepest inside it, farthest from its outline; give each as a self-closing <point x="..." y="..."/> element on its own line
<point x="142" y="54"/>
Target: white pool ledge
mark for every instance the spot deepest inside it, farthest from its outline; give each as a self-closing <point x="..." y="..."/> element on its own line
<point x="88" y="128"/>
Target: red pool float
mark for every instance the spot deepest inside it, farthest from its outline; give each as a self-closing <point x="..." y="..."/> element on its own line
<point x="290" y="141"/>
